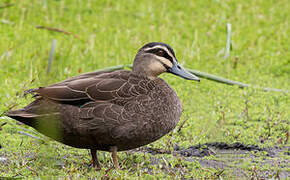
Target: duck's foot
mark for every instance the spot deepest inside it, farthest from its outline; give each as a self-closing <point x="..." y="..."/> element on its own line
<point x="95" y="160"/>
<point x="114" y="149"/>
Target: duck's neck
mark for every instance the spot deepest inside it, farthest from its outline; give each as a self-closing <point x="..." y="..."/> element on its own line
<point x="143" y="69"/>
<point x="144" y="74"/>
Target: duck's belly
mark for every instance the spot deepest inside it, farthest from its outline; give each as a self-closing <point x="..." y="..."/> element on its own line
<point x="133" y="134"/>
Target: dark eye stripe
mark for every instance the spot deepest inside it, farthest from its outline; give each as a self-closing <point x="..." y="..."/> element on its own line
<point x="165" y="54"/>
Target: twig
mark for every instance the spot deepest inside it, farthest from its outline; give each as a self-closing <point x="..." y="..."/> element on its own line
<point x="52" y="50"/>
<point x="236" y="60"/>
<point x="57" y="30"/>
<point x="3" y="124"/>
<point x="28" y="167"/>
<point x="6" y="5"/>
<point x="219" y="173"/>
<point x="287" y="137"/>
<point x="181" y="125"/>
<point x="246" y="110"/>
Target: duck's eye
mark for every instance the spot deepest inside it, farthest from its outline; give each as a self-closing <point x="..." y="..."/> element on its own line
<point x="160" y="53"/>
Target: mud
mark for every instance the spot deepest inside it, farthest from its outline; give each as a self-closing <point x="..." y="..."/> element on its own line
<point x="237" y="159"/>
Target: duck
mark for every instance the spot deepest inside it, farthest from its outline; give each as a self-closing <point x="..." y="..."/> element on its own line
<point x="110" y="111"/>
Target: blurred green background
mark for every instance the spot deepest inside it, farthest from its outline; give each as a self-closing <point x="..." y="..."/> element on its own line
<point x="108" y="33"/>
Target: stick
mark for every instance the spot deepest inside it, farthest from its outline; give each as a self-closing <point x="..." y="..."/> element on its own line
<point x="6" y="5"/>
<point x="57" y="30"/>
<point x="52" y="50"/>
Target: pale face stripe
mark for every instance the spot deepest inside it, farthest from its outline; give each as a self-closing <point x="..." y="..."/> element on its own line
<point x="165" y="61"/>
<point x="161" y="47"/>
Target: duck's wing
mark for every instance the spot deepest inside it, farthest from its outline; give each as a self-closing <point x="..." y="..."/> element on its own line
<point x="83" y="76"/>
<point x="88" y="87"/>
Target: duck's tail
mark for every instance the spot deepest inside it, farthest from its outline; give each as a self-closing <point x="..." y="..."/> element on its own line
<point x="30" y="114"/>
<point x="22" y="116"/>
<point x="41" y="116"/>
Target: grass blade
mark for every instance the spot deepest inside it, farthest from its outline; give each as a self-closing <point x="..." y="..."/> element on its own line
<point x="51" y="54"/>
<point x="228" y="45"/>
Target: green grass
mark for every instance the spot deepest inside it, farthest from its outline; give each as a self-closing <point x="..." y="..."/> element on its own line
<point x="110" y="33"/>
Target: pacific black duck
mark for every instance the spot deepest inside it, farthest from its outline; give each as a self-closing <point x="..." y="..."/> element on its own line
<point x="110" y="111"/>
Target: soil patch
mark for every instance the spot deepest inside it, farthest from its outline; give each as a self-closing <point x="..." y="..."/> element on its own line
<point x="240" y="160"/>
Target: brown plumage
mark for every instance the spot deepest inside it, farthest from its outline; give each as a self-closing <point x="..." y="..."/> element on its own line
<point x="110" y="111"/>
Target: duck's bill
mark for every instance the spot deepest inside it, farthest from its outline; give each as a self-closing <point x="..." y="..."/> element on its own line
<point x="180" y="71"/>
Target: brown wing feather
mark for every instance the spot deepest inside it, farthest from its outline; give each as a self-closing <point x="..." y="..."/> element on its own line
<point x="83" y="76"/>
<point x="87" y="87"/>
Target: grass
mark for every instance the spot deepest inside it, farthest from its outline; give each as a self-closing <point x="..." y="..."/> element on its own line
<point x="109" y="33"/>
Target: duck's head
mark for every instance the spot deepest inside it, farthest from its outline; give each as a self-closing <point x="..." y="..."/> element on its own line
<point x="156" y="58"/>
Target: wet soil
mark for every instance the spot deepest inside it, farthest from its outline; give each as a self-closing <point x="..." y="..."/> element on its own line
<point x="237" y="159"/>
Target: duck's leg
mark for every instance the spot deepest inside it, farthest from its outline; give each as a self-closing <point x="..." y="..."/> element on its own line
<point x="115" y="157"/>
<point x="96" y="163"/>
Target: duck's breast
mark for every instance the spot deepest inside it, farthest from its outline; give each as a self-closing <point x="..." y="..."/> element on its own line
<point x="151" y="115"/>
<point x="166" y="108"/>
